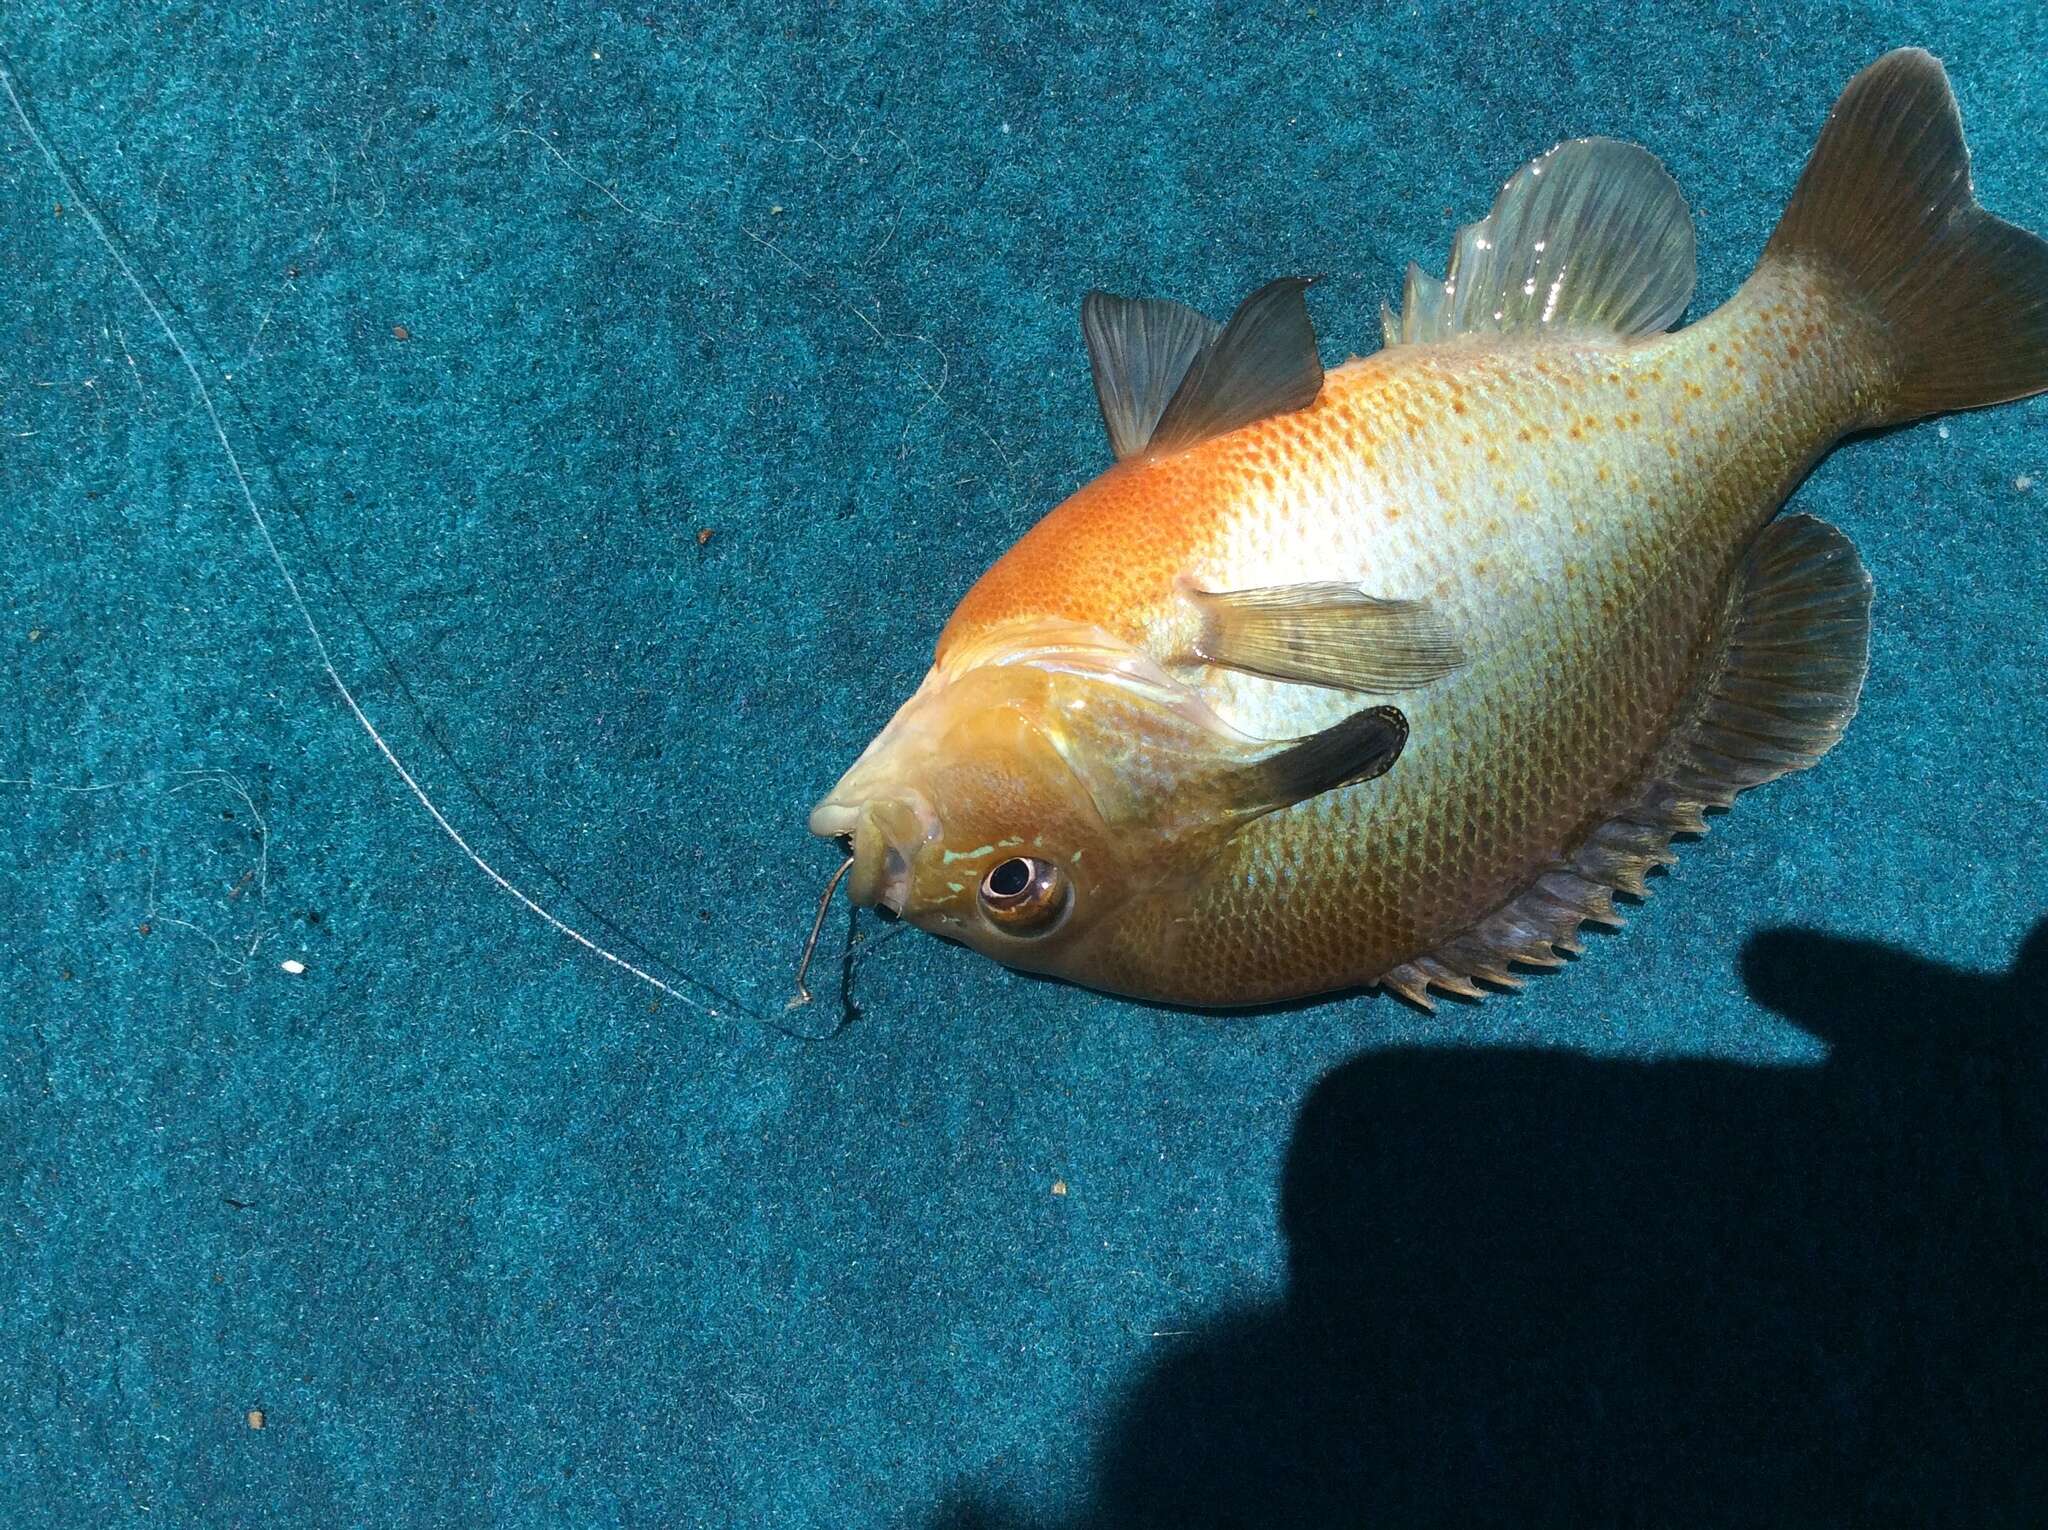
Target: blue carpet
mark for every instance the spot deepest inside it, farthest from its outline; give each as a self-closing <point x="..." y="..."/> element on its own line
<point x="634" y="395"/>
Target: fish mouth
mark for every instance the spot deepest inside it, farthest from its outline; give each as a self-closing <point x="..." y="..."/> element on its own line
<point x="884" y="835"/>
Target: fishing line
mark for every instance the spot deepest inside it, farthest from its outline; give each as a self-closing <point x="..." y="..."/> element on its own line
<point x="717" y="1005"/>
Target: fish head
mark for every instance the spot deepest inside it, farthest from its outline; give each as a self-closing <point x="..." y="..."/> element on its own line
<point x="1029" y="793"/>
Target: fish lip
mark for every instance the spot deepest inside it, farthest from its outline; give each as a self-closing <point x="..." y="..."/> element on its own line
<point x="890" y="887"/>
<point x="884" y="835"/>
<point x="834" y="820"/>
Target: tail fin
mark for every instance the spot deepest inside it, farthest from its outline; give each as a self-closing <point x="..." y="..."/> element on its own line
<point x="1884" y="208"/>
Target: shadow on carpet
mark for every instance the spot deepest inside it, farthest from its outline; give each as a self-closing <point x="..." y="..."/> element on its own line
<point x="1533" y="1287"/>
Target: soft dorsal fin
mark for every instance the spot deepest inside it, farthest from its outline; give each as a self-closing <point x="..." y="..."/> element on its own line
<point x="1334" y="635"/>
<point x="1139" y="350"/>
<point x="1783" y="683"/>
<point x="1592" y="238"/>
<point x="1168" y="379"/>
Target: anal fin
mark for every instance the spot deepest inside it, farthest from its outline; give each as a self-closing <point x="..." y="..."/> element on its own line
<point x="1779" y="693"/>
<point x="1592" y="238"/>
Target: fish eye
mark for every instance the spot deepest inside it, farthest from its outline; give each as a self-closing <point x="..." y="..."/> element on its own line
<point x="1024" y="895"/>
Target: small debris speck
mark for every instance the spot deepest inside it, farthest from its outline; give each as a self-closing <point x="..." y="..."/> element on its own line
<point x="294" y="966"/>
<point x="400" y="332"/>
<point x="1942" y="431"/>
<point x="775" y="211"/>
<point x="35" y="634"/>
<point x="142" y="929"/>
<point x="256" y="1420"/>
<point x="2023" y="483"/>
<point x="60" y="209"/>
<point x="703" y="536"/>
<point x="1059" y="1187"/>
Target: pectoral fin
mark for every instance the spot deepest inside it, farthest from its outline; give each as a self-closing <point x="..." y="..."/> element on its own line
<point x="1326" y="634"/>
<point x="1361" y="747"/>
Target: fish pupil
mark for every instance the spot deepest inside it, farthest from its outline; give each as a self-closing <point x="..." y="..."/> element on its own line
<point x="1010" y="879"/>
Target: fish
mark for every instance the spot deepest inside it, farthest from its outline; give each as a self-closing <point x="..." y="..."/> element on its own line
<point x="1394" y="675"/>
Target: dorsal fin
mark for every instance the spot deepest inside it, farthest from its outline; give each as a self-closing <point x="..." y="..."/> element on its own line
<point x="1592" y="238"/>
<point x="1139" y="350"/>
<point x="1168" y="379"/>
<point x="1793" y="646"/>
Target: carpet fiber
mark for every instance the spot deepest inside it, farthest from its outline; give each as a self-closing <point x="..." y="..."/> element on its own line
<point x="632" y="395"/>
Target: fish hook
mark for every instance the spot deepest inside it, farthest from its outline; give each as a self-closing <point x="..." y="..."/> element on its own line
<point x="803" y="995"/>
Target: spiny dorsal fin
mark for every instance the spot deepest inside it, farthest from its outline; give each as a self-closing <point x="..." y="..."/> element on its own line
<point x="1326" y="634"/>
<point x="1168" y="379"/>
<point x="1793" y="648"/>
<point x="1139" y="350"/>
<point x="1591" y="238"/>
